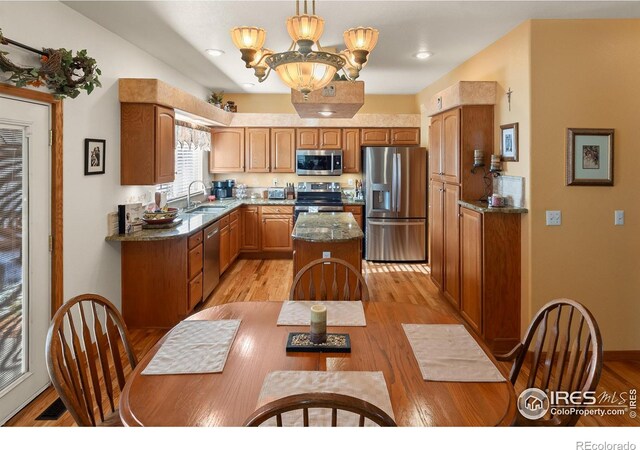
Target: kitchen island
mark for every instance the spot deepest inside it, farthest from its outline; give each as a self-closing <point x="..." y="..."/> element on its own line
<point x="334" y="235"/>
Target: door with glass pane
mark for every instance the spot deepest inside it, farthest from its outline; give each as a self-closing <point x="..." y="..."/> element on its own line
<point x="24" y="251"/>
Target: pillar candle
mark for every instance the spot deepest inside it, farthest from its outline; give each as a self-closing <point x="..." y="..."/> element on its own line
<point x="318" y="324"/>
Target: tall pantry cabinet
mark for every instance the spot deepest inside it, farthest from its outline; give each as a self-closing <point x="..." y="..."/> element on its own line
<point x="453" y="136"/>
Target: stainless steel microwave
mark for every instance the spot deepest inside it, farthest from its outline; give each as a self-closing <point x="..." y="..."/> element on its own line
<point x="319" y="162"/>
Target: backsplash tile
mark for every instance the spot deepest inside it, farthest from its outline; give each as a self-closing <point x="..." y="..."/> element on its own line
<point x="510" y="187"/>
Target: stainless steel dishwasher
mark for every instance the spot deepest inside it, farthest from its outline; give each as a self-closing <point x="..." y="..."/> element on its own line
<point x="211" y="259"/>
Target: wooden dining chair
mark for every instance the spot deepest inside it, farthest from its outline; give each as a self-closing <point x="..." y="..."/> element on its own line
<point x="334" y="402"/>
<point x="564" y="346"/>
<point x="84" y="359"/>
<point x="329" y="279"/>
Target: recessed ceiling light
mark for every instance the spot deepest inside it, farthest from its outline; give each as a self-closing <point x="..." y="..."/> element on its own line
<point x="248" y="85"/>
<point x="423" y="55"/>
<point x="326" y="113"/>
<point x="214" y="52"/>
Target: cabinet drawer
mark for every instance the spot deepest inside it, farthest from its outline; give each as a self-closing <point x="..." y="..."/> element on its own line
<point x="195" y="239"/>
<point x="195" y="292"/>
<point x="284" y="209"/>
<point x="234" y="215"/>
<point x="224" y="221"/>
<point x="353" y="209"/>
<point x="195" y="261"/>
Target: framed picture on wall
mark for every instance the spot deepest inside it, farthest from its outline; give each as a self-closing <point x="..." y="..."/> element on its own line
<point x="94" y="154"/>
<point x="509" y="142"/>
<point x="589" y="157"/>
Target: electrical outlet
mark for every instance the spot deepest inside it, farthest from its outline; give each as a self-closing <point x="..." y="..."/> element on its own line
<point x="275" y="181"/>
<point x="350" y="181"/>
<point x="619" y="217"/>
<point x="554" y="218"/>
<point x="326" y="254"/>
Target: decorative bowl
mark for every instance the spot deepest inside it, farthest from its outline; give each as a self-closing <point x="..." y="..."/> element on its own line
<point x="160" y="216"/>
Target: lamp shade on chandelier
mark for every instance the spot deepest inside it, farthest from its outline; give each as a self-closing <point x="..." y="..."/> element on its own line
<point x="302" y="67"/>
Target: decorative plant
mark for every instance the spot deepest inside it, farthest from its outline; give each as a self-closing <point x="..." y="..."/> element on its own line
<point x="66" y="75"/>
<point x="216" y="97"/>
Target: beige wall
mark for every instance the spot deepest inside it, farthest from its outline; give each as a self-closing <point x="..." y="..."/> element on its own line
<point x="585" y="75"/>
<point x="506" y="61"/>
<point x="266" y="179"/>
<point x="281" y="103"/>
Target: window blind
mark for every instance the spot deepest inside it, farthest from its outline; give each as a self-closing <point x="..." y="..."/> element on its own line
<point x="191" y="143"/>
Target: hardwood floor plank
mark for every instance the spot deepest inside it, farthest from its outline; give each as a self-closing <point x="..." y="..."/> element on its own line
<point x="262" y="280"/>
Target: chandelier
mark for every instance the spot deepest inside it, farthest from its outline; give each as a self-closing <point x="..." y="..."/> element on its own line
<point x="301" y="67"/>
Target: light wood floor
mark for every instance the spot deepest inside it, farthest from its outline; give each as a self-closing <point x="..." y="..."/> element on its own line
<point x="259" y="280"/>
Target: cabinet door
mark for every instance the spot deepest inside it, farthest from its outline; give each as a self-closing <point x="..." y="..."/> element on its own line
<point x="276" y="232"/>
<point x="436" y="225"/>
<point x="435" y="148"/>
<point x="356" y="211"/>
<point x="227" y="150"/>
<point x="225" y="255"/>
<point x="250" y="229"/>
<point x="165" y="145"/>
<point x="195" y="261"/>
<point x="405" y="136"/>
<point x="451" y="286"/>
<point x="375" y="136"/>
<point x="451" y="146"/>
<point x="195" y="292"/>
<point x="283" y="150"/>
<point x="471" y="267"/>
<point x="257" y="154"/>
<point x="351" y="151"/>
<point x="308" y="138"/>
<point x="331" y="138"/>
<point x="234" y="240"/>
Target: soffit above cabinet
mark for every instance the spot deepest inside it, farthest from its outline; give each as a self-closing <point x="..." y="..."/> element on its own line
<point x="151" y="90"/>
<point x="462" y="93"/>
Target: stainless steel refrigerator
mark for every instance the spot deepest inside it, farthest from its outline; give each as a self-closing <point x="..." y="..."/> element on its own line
<point x="395" y="185"/>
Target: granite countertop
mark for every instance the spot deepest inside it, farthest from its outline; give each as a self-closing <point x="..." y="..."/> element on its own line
<point x="483" y="207"/>
<point x="192" y="222"/>
<point x="352" y="201"/>
<point x="326" y="227"/>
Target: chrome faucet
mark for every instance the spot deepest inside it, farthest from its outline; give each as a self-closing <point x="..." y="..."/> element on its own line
<point x="189" y="204"/>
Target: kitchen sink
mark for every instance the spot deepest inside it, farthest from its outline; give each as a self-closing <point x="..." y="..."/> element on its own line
<point x="204" y="209"/>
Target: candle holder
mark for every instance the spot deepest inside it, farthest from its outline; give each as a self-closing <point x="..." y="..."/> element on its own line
<point x="318" y="329"/>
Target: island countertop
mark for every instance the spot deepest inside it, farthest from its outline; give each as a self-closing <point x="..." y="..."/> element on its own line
<point x="326" y="227"/>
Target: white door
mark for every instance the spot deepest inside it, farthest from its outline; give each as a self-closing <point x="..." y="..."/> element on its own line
<point x="25" y="296"/>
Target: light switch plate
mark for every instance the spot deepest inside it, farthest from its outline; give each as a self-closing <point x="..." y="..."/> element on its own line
<point x="554" y="218"/>
<point x="350" y="182"/>
<point x="618" y="217"/>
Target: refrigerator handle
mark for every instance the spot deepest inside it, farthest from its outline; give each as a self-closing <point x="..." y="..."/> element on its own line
<point x="398" y="184"/>
<point x="394" y="183"/>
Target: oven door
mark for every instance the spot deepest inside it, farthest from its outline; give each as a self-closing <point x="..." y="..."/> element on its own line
<point x="319" y="162"/>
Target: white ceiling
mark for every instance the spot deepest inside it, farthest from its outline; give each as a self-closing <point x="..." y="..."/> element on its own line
<point x="178" y="32"/>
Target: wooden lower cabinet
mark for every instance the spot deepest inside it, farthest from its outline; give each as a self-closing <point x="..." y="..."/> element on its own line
<point x="356" y="211"/>
<point x="305" y="251"/>
<point x="250" y="228"/>
<point x="234" y="235"/>
<point x="490" y="276"/>
<point x="451" y="250"/>
<point x="225" y="249"/>
<point x="436" y="228"/>
<point x="161" y="280"/>
<point x="276" y="232"/>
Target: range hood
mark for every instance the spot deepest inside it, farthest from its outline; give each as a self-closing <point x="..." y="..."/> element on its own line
<point x="337" y="100"/>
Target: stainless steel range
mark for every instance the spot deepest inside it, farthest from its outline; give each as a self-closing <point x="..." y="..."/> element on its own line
<point x="318" y="198"/>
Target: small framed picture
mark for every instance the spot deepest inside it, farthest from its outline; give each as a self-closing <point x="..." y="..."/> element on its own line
<point x="509" y="142"/>
<point x="94" y="153"/>
<point x="589" y="157"/>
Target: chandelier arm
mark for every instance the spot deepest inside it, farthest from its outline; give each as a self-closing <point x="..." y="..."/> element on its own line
<point x="297" y="7"/>
<point x="344" y="71"/>
<point x="266" y="75"/>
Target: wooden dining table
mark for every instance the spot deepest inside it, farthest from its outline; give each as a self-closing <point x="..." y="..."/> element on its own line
<point x="229" y="397"/>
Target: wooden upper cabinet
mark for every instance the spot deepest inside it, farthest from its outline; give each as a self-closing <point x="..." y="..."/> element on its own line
<point x="450" y="145"/>
<point x="405" y="136"/>
<point x="375" y="136"/>
<point x="308" y="138"/>
<point x="351" y="152"/>
<point x="147" y="149"/>
<point x="257" y="149"/>
<point x="227" y="150"/>
<point x="331" y="138"/>
<point x="435" y="148"/>
<point x="283" y="150"/>
<point x="165" y="145"/>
